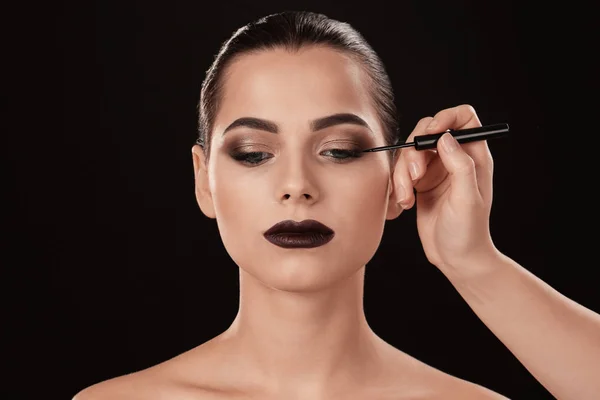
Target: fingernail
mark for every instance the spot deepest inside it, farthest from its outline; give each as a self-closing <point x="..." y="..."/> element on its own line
<point x="401" y="193"/>
<point x="432" y="125"/>
<point x="450" y="144"/>
<point x="414" y="170"/>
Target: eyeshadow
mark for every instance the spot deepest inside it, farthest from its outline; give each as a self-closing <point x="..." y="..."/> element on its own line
<point x="359" y="139"/>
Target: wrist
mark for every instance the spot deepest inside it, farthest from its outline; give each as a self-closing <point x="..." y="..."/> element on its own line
<point x="478" y="265"/>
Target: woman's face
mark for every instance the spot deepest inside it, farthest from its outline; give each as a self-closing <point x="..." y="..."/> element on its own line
<point x="297" y="173"/>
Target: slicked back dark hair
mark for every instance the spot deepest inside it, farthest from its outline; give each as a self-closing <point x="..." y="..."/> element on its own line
<point x="292" y="30"/>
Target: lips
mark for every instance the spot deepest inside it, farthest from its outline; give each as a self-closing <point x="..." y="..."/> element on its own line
<point x="305" y="234"/>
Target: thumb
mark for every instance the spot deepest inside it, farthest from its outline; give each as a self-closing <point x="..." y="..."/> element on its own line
<point x="461" y="168"/>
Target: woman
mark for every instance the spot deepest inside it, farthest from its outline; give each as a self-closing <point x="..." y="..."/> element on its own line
<point x="285" y="110"/>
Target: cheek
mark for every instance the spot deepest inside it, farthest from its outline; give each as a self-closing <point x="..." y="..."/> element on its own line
<point x="230" y="189"/>
<point x="362" y="190"/>
<point x="237" y="199"/>
<point x="238" y="209"/>
<point x="363" y="208"/>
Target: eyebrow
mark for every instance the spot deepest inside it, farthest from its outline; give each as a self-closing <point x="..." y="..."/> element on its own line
<point x="315" y="125"/>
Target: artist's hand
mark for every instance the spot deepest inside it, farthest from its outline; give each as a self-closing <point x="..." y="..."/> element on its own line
<point x="454" y="192"/>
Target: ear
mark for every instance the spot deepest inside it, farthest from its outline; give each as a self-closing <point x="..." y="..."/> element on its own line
<point x="394" y="209"/>
<point x="203" y="193"/>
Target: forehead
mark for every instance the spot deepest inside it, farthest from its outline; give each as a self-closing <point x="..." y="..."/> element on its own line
<point x="293" y="87"/>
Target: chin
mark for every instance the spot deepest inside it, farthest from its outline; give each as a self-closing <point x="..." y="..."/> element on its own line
<point x="299" y="270"/>
<point x="299" y="274"/>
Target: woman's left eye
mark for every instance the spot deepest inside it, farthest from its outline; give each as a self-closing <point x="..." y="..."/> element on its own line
<point x="345" y="154"/>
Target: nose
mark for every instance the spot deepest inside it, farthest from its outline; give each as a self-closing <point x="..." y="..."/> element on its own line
<point x="298" y="182"/>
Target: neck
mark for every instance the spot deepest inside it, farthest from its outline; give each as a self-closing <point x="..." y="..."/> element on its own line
<point x="304" y="339"/>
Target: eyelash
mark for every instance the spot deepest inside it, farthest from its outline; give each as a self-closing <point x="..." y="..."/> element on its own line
<point x="245" y="157"/>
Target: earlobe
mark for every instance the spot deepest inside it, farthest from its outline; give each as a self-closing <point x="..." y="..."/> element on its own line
<point x="393" y="210"/>
<point x="202" y="187"/>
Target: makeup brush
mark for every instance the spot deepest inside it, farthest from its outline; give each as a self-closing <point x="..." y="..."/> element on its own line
<point x="424" y="142"/>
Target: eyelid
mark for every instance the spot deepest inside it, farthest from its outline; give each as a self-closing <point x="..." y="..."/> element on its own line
<point x="346" y="138"/>
<point x="250" y="147"/>
<point x="327" y="146"/>
<point x="345" y="141"/>
<point x="350" y="144"/>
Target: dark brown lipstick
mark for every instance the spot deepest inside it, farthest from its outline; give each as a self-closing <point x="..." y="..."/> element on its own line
<point x="305" y="234"/>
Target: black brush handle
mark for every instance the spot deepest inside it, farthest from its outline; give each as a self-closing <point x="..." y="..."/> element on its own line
<point x="424" y="142"/>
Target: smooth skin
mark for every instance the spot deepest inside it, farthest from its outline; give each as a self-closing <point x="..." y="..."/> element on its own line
<point x="301" y="332"/>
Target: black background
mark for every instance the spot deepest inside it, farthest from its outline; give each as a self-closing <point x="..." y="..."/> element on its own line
<point x="115" y="267"/>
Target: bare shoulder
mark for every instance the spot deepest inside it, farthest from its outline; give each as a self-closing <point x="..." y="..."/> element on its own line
<point x="154" y="383"/>
<point x="450" y="387"/>
<point x="428" y="382"/>
<point x="146" y="384"/>
<point x="462" y="389"/>
<point x="185" y="376"/>
<point x="116" y="388"/>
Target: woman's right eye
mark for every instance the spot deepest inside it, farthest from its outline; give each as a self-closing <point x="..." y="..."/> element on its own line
<point x="250" y="158"/>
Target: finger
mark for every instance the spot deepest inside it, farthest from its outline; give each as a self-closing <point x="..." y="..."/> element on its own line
<point x="410" y="160"/>
<point x="415" y="160"/>
<point x="463" y="117"/>
<point x="459" y="117"/>
<point x="484" y="166"/>
<point x="461" y="168"/>
<point x="413" y="186"/>
<point x="436" y="175"/>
